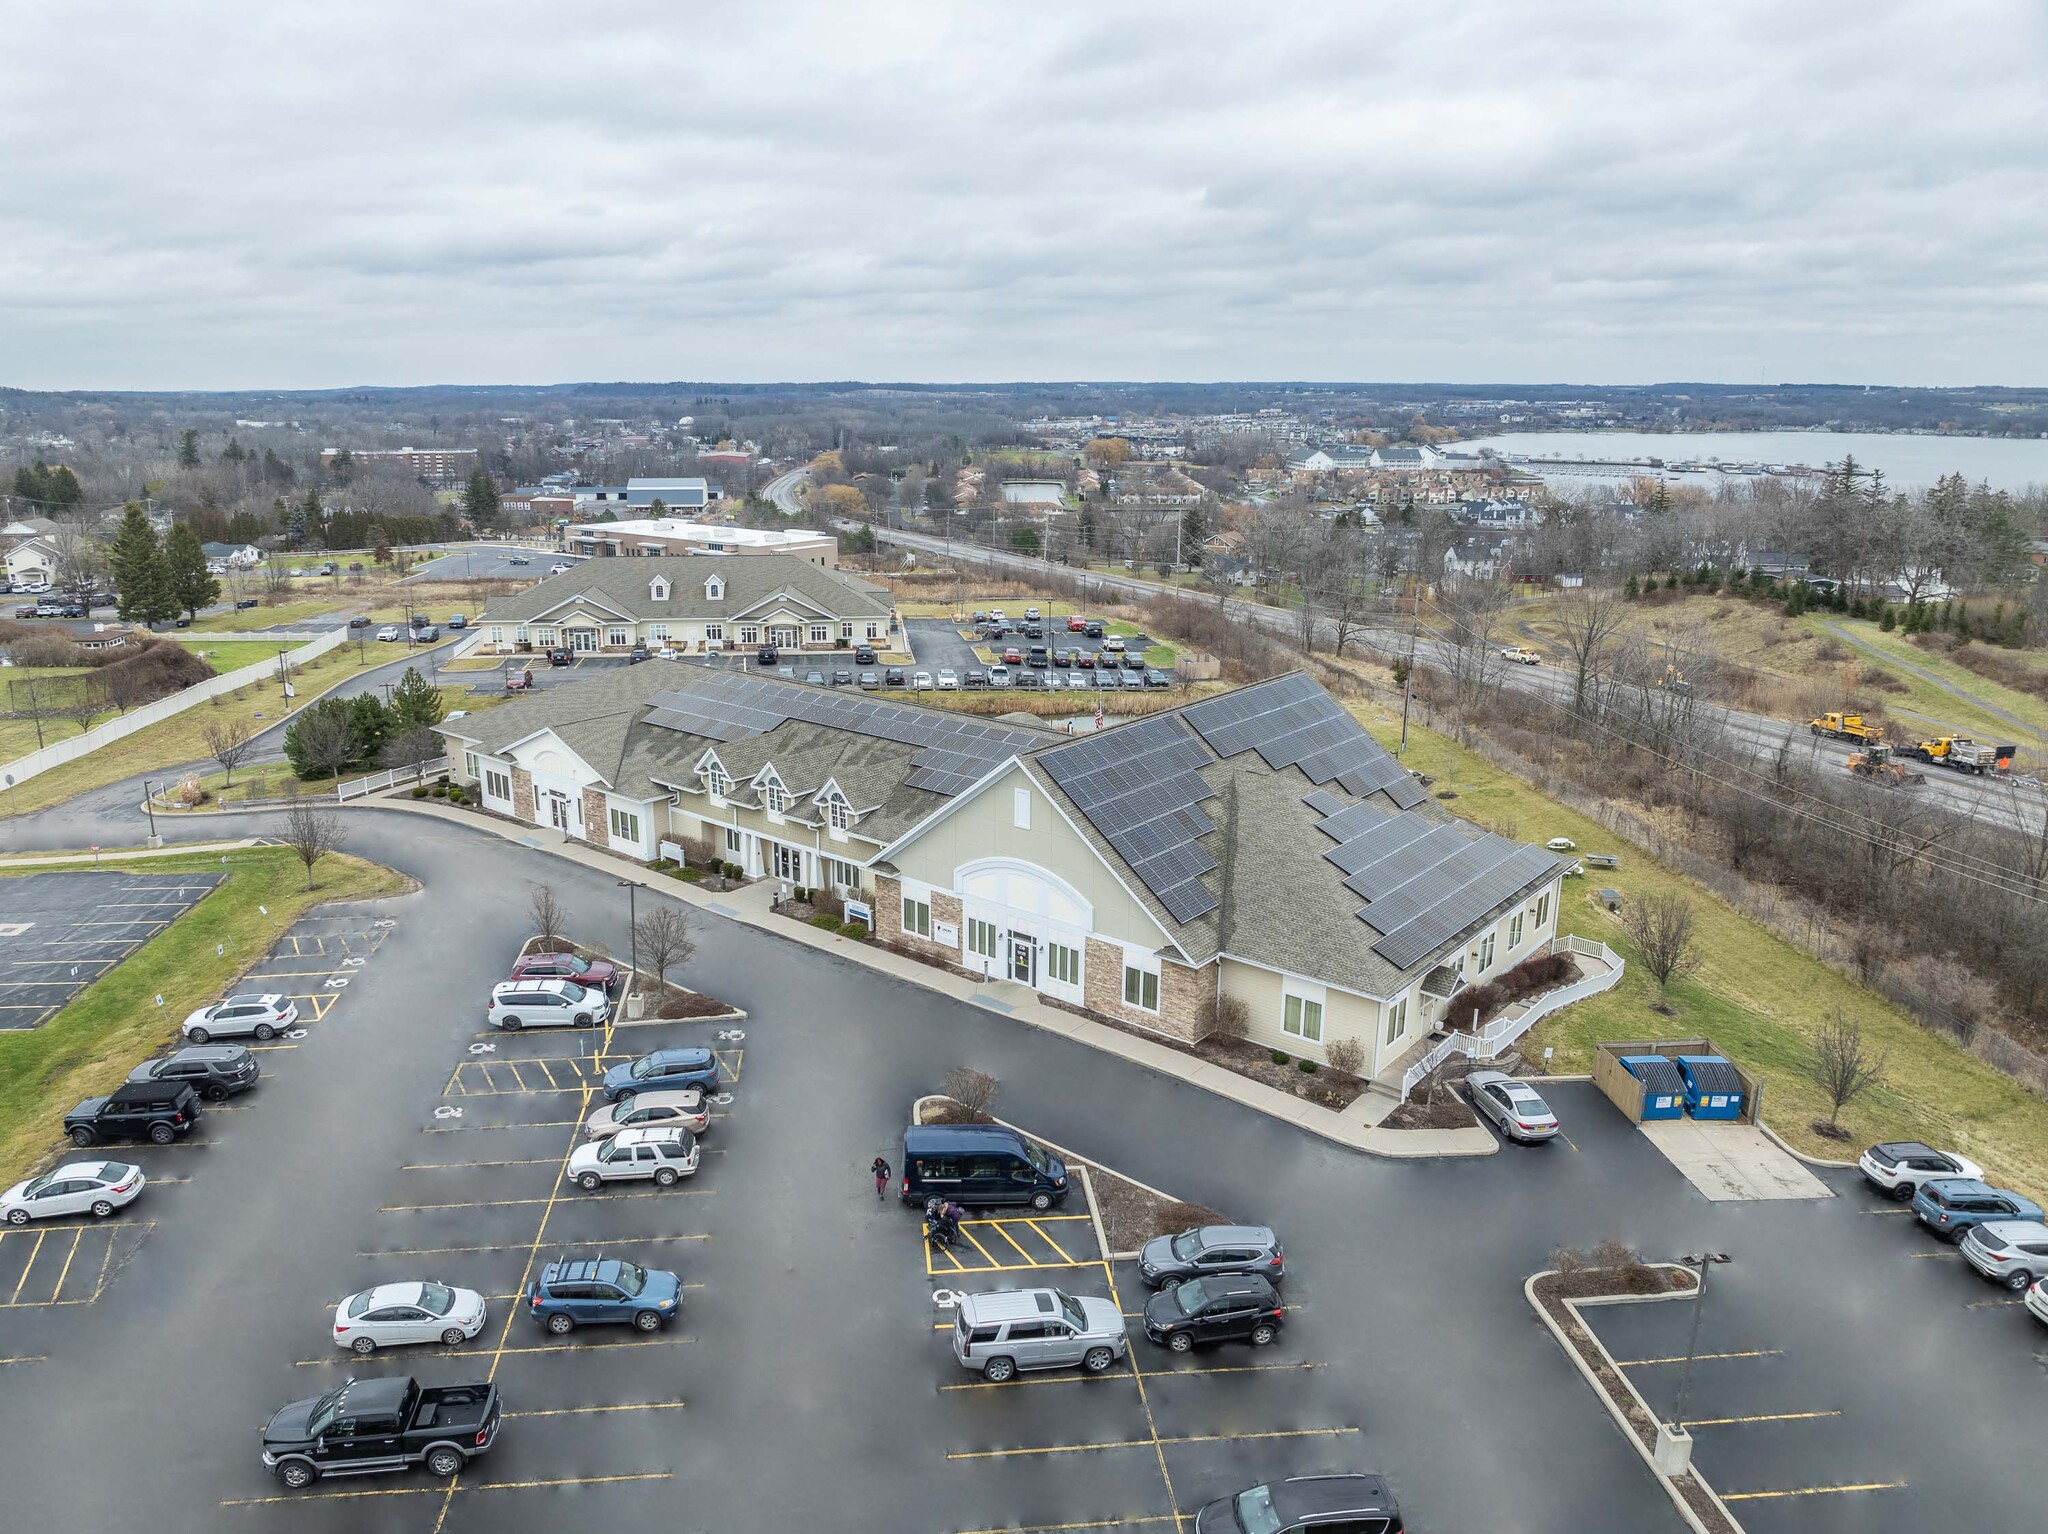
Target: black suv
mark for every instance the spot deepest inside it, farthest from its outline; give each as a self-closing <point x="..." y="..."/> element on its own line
<point x="152" y="1110"/>
<point x="1302" y="1504"/>
<point x="864" y="655"/>
<point x="1238" y="1307"/>
<point x="215" y="1071"/>
<point x="766" y="655"/>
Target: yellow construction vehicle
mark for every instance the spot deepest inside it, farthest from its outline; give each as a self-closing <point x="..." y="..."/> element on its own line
<point x="1846" y="727"/>
<point x="1957" y="751"/>
<point x="1875" y="762"/>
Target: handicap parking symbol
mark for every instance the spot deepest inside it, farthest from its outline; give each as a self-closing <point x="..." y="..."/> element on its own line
<point x="386" y="922"/>
<point x="336" y="982"/>
<point x="946" y="1299"/>
<point x="731" y="1035"/>
<point x="723" y="1099"/>
<point x="485" y="1048"/>
<point x="447" y="1113"/>
<point x="295" y="1033"/>
<point x="357" y="963"/>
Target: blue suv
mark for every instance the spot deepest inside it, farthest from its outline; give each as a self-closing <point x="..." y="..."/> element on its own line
<point x="1948" y="1206"/>
<point x="588" y="1291"/>
<point x="661" y="1071"/>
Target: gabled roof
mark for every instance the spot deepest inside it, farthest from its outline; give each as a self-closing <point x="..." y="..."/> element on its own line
<point x="751" y="582"/>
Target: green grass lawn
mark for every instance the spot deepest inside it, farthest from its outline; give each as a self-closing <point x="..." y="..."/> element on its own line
<point x="18" y="736"/>
<point x="1756" y="996"/>
<point x="1932" y="701"/>
<point x="233" y="654"/>
<point x="182" y="738"/>
<point x="94" y="1042"/>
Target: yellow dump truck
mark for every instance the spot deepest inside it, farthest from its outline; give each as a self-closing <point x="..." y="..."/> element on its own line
<point x="1960" y="753"/>
<point x="1846" y="727"/>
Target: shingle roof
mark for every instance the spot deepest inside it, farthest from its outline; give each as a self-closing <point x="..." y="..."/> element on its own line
<point x="622" y="585"/>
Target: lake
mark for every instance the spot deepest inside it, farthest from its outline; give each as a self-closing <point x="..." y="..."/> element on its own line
<point x="2006" y="463"/>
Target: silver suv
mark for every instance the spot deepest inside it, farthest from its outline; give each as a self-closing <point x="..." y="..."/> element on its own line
<point x="1014" y="1329"/>
<point x="539" y="1003"/>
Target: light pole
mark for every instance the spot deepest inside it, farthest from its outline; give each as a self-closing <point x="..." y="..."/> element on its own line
<point x="632" y="887"/>
<point x="1699" y="1262"/>
<point x="149" y="807"/>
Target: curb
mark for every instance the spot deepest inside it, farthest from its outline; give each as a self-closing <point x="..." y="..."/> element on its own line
<point x="1671" y="1490"/>
<point x="1800" y="1155"/>
<point x="1074" y="1156"/>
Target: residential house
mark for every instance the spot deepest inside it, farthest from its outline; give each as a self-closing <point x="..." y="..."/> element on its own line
<point x="231" y="556"/>
<point x="1256" y="844"/>
<point x="650" y="537"/>
<point x="32" y="561"/>
<point x="693" y="606"/>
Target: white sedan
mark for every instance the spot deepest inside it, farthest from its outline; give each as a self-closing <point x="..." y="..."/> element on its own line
<point x="397" y="1315"/>
<point x="389" y="632"/>
<point x="77" y="1187"/>
<point x="921" y="681"/>
<point x="265" y="1017"/>
<point x="948" y="682"/>
<point x="1513" y="1106"/>
<point x="682" y="1108"/>
<point x="560" y="569"/>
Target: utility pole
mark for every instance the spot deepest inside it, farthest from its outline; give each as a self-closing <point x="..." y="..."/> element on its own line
<point x="1408" y="686"/>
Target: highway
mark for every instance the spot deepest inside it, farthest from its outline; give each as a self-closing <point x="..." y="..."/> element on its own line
<point x="2015" y="802"/>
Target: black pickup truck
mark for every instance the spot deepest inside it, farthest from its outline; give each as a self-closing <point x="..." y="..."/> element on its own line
<point x="369" y="1426"/>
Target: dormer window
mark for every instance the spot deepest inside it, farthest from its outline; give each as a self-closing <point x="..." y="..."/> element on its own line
<point x="775" y="797"/>
<point x="838" y="815"/>
<point x="717" y="781"/>
<point x="657" y="589"/>
<point x="714" y="589"/>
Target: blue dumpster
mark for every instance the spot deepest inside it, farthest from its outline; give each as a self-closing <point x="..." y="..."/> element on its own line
<point x="1663" y="1087"/>
<point x="1712" y="1088"/>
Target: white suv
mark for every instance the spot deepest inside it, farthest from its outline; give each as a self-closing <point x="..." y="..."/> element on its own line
<point x="1898" y="1168"/>
<point x="546" y="1003"/>
<point x="634" y="1155"/>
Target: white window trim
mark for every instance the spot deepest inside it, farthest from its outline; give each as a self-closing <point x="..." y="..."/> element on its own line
<point x="1309" y="994"/>
<point x="1020" y="809"/>
<point x="1144" y="963"/>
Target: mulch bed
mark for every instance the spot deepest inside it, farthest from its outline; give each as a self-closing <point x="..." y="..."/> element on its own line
<point x="1554" y="1289"/>
<point x="1325" y="1087"/>
<point x="665" y="999"/>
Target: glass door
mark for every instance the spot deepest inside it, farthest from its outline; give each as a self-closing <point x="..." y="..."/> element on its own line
<point x="1024" y="960"/>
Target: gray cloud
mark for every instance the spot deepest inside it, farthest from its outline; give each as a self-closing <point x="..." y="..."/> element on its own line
<point x="249" y="195"/>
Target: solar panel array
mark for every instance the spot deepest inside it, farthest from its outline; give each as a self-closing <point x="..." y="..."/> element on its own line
<point x="955" y="751"/>
<point x="1291" y="722"/>
<point x="1422" y="883"/>
<point x="1139" y="785"/>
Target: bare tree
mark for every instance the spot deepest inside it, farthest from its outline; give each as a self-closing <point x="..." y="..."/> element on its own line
<point x="663" y="939"/>
<point x="412" y="748"/>
<point x="1844" y="1066"/>
<point x="1470" y="610"/>
<point x="1589" y="617"/>
<point x="312" y="833"/>
<point x="228" y="743"/>
<point x="79" y="560"/>
<point x="544" y="911"/>
<point x="1662" y="925"/>
<point x="83" y="703"/>
<point x="971" y="1089"/>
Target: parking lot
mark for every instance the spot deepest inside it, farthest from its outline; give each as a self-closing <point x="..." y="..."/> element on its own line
<point x="809" y="1382"/>
<point x="59" y="932"/>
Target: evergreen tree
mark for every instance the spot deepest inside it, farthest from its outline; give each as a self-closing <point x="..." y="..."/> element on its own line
<point x="192" y="585"/>
<point x="369" y="724"/>
<point x="1193" y="530"/>
<point x="188" y="449"/>
<point x="1630" y="590"/>
<point x="480" y="500"/>
<point x="233" y="452"/>
<point x="141" y="578"/>
<point x="1888" y="622"/>
<point x="415" y="704"/>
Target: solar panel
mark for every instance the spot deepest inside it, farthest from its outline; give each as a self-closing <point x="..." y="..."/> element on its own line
<point x="1139" y="787"/>
<point x="953" y="753"/>
<point x="1292" y="722"/>
<point x="1323" y="802"/>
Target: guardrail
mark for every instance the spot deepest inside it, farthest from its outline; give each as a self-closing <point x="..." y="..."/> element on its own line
<point x="355" y="788"/>
<point x="1517" y="1020"/>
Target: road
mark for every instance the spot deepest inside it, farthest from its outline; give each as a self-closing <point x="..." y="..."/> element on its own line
<point x="2006" y="803"/>
<point x="786" y="490"/>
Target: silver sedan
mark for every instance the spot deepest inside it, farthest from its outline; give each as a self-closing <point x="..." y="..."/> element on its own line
<point x="1513" y="1106"/>
<point x="397" y="1315"/>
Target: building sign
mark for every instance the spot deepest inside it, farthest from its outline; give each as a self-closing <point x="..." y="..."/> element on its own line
<point x="945" y="934"/>
<point x="860" y="910"/>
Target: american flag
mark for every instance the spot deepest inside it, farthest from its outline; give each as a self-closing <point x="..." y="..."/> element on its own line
<point x="1098" y="713"/>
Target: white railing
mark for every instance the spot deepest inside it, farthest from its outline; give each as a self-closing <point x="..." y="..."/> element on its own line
<point x="21" y="770"/>
<point x="1515" y="1021"/>
<point x="355" y="788"/>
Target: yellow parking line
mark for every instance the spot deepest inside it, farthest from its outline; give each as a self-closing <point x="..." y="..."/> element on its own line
<point x="1061" y="1528"/>
<point x="1048" y="1240"/>
<point x="1644" y="1363"/>
<point x="26" y="1358"/>
<point x="999" y="1227"/>
<point x="430" y="1491"/>
<point x="1019" y="1267"/>
<point x="1146" y="1443"/>
<point x="33" y="1253"/>
<point x="1181" y="1374"/>
<point x="455" y="1129"/>
<point x="1782" y="1416"/>
<point x="58" y="1292"/>
<point x="578" y="1411"/>
<point x="514" y="1203"/>
<point x="1810" y="1491"/>
<point x="1994" y="1304"/>
<point x="514" y="1246"/>
<point x="461" y="1166"/>
<point x="591" y="1347"/>
<point x="1895" y="1211"/>
<point x="931" y="1252"/>
<point x="991" y="1256"/>
<point x="1950" y="1255"/>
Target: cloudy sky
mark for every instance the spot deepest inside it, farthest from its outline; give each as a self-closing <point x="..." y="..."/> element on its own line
<point x="232" y="194"/>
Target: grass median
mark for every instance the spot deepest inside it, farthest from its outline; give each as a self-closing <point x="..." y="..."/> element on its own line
<point x="1758" y="997"/>
<point x="100" y="1035"/>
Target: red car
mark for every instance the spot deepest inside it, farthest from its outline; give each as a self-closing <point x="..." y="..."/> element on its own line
<point x="566" y="966"/>
<point x="1013" y="656"/>
<point x="1076" y="624"/>
<point x="1085" y="659"/>
<point x="518" y="681"/>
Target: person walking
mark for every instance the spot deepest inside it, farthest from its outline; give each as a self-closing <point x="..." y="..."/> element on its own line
<point x="881" y="1171"/>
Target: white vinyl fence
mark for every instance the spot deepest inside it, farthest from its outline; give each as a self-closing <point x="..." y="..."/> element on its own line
<point x="377" y="782"/>
<point x="1516" y="1020"/>
<point x="21" y="770"/>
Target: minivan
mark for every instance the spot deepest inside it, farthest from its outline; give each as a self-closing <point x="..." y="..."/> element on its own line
<point x="979" y="1164"/>
<point x="545" y="1003"/>
<point x="1014" y="1329"/>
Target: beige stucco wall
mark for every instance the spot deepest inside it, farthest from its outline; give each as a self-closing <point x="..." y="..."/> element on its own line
<point x="983" y="828"/>
<point x="1344" y="1015"/>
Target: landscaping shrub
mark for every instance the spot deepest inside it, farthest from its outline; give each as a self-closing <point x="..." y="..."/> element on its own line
<point x="439" y="790"/>
<point x="854" y="929"/>
<point x="971" y="1089"/>
<point x="828" y="923"/>
<point x="1226" y="1017"/>
<point x="419" y="791"/>
<point x="826" y="903"/>
<point x="1307" y="1067"/>
<point x="1346" y="1055"/>
<point x="456" y="795"/>
<point x="691" y="875"/>
<point x="1279" y="1058"/>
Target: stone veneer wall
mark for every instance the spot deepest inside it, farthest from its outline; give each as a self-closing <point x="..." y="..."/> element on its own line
<point x="522" y="794"/>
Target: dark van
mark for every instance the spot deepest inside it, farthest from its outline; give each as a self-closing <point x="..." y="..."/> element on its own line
<point x="979" y="1164"/>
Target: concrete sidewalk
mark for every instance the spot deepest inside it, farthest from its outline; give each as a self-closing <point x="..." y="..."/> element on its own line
<point x="751" y="903"/>
<point x="174" y="850"/>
